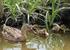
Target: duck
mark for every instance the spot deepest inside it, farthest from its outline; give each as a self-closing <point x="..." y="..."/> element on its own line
<point x="43" y="33"/>
<point x="57" y="28"/>
<point x="35" y="30"/>
<point x="12" y="34"/>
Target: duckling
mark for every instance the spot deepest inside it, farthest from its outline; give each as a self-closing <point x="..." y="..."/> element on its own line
<point x="40" y="32"/>
<point x="35" y="30"/>
<point x="56" y="28"/>
<point x="43" y="33"/>
<point x="12" y="34"/>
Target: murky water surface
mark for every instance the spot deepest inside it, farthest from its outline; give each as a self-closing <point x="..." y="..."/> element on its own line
<point x="36" y="43"/>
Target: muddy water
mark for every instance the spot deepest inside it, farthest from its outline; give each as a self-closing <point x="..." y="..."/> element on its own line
<point x="67" y="41"/>
<point x="36" y="43"/>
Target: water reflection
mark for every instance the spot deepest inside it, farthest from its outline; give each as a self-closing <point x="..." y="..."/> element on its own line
<point x="37" y="43"/>
<point x="53" y="42"/>
<point x="5" y="45"/>
<point x="66" y="38"/>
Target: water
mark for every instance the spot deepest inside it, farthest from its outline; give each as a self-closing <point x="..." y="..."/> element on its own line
<point x="37" y="43"/>
<point x="66" y="41"/>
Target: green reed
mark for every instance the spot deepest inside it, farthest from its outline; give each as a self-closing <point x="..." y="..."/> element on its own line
<point x="11" y="4"/>
<point x="31" y="6"/>
<point x="50" y="17"/>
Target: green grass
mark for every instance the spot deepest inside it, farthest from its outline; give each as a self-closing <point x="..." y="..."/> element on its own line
<point x="50" y="17"/>
<point x="11" y="4"/>
<point x="32" y="5"/>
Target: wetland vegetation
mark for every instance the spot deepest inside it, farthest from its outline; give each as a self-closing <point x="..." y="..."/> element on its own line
<point x="34" y="25"/>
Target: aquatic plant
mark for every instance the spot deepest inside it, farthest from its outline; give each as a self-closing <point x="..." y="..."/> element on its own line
<point x="11" y="4"/>
<point x="55" y="4"/>
<point x="30" y="6"/>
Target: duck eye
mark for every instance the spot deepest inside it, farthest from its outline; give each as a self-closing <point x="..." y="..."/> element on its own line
<point x="34" y="29"/>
